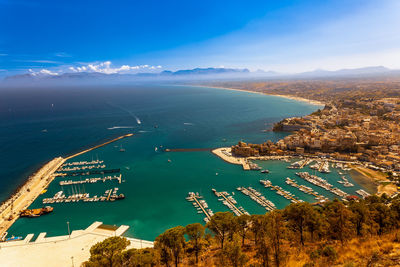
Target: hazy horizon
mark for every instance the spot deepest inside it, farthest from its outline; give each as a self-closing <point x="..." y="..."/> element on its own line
<point x="50" y="38"/>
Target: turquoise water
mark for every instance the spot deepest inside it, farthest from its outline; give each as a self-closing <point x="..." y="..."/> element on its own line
<point x="155" y="189"/>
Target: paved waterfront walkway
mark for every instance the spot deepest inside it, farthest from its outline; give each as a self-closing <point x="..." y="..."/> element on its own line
<point x="61" y="250"/>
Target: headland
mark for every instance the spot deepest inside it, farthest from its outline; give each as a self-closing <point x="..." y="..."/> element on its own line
<point x="34" y="186"/>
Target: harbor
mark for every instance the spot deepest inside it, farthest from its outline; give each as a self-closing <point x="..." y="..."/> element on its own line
<point x="307" y="190"/>
<point x="201" y="205"/>
<point x="92" y="180"/>
<point x="280" y="191"/>
<point x="109" y="195"/>
<point x="38" y="183"/>
<point x="257" y="197"/>
<point x="230" y="202"/>
<point x="318" y="181"/>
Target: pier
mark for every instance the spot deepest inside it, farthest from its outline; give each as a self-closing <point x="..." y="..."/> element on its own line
<point x="98" y="146"/>
<point x="80" y="163"/>
<point x="363" y="193"/>
<point x="280" y="191"/>
<point x="230" y="202"/>
<point x="92" y="180"/>
<point x="257" y="197"/>
<point x="306" y="189"/>
<point x="201" y="205"/>
<point x="91" y="172"/>
<point x="318" y="181"/>
<point x="59" y="197"/>
<point x="82" y="167"/>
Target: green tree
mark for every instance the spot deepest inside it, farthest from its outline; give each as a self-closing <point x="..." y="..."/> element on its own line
<point x="107" y="252"/>
<point x="243" y="225"/>
<point x="339" y="220"/>
<point x="361" y="218"/>
<point x="140" y="257"/>
<point x="298" y="216"/>
<point x="276" y="232"/>
<point x="232" y="254"/>
<point x="382" y="216"/>
<point x="256" y="225"/>
<point x="221" y="224"/>
<point x="171" y="244"/>
<point x="195" y="233"/>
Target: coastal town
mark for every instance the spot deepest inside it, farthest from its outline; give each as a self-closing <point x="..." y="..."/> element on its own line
<point x="361" y="130"/>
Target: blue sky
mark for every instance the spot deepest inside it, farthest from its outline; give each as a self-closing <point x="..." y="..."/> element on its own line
<point x="132" y="36"/>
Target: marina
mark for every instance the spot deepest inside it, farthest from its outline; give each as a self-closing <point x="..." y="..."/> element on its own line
<point x="318" y="181"/>
<point x="109" y="195"/>
<point x="306" y="189"/>
<point x="92" y="180"/>
<point x="91" y="172"/>
<point x="257" y="197"/>
<point x="200" y="205"/>
<point x="82" y="168"/>
<point x="84" y="162"/>
<point x="300" y="164"/>
<point x="363" y="193"/>
<point x="345" y="182"/>
<point x="230" y="202"/>
<point x="280" y="191"/>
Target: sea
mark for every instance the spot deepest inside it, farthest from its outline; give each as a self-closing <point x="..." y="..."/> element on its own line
<point x="38" y="124"/>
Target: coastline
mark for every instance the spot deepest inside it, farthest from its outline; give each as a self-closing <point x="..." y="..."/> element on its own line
<point x="301" y="99"/>
<point x="27" y="193"/>
<point x="362" y="176"/>
<point x="35" y="184"/>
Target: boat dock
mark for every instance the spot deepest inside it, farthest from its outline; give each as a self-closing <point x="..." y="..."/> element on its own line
<point x="306" y="189"/>
<point x="80" y="173"/>
<point x="363" y="193"/>
<point x="257" y="197"/>
<point x="201" y="205"/>
<point x="82" y="167"/>
<point x="300" y="164"/>
<point x="318" y="181"/>
<point x="230" y="202"/>
<point x="280" y="191"/>
<point x="109" y="195"/>
<point x="92" y="180"/>
<point x="80" y="163"/>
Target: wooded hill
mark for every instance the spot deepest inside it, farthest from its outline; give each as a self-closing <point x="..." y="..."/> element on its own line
<point x="355" y="233"/>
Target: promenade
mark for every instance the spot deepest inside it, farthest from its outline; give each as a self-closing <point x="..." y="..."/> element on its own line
<point x="67" y="250"/>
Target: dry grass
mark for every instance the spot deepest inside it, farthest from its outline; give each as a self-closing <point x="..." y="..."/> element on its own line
<point x="373" y="251"/>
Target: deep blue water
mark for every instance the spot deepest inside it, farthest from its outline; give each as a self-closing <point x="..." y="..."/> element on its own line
<point x="37" y="125"/>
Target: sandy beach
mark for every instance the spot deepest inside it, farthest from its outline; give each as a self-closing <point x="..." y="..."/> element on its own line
<point x="27" y="193"/>
<point x="309" y="101"/>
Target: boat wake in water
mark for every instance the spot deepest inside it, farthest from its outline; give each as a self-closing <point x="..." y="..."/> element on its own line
<point x="120" y="127"/>
<point x="188" y="123"/>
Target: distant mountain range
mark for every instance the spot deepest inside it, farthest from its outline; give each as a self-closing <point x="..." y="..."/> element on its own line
<point x="198" y="74"/>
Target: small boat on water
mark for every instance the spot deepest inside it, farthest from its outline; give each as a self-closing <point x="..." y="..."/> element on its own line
<point x="35" y="212"/>
<point x="13" y="238"/>
<point x="121" y="149"/>
<point x="265" y="171"/>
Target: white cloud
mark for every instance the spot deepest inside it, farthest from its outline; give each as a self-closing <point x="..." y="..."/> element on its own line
<point x="107" y="68"/>
<point x="43" y="72"/>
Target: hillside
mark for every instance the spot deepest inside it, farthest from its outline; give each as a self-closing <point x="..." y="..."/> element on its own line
<point x="355" y="233"/>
